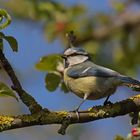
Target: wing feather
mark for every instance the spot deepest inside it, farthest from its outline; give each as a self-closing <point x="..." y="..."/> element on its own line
<point x="86" y="69"/>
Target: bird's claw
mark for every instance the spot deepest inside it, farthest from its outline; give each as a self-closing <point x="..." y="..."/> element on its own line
<point x="107" y="103"/>
<point x="77" y="113"/>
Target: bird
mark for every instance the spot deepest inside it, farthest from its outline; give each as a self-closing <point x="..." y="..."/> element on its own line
<point x="90" y="81"/>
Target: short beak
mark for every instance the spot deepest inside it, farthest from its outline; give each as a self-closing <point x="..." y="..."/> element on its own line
<point x="63" y="56"/>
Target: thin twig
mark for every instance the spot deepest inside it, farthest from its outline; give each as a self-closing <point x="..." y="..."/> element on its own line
<point x="71" y="39"/>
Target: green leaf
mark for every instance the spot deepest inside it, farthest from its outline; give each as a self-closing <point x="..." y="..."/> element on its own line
<point x="12" y="42"/>
<point x="6" y="91"/>
<point x="64" y="88"/>
<point x="2" y="35"/>
<point x="1" y="18"/>
<point x="50" y="31"/>
<point x="76" y="11"/>
<point x="1" y="44"/>
<point x="52" y="81"/>
<point x="48" y="63"/>
<point x="4" y="14"/>
<point x="119" y="6"/>
<point x="118" y="137"/>
<point x="1" y="40"/>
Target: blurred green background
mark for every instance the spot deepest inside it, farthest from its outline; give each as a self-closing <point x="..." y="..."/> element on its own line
<point x="109" y="30"/>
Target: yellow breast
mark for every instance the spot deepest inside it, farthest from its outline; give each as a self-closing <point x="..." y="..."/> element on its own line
<point x="81" y="86"/>
<point x="96" y="87"/>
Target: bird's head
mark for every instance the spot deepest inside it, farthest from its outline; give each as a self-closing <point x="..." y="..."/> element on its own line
<point x="73" y="56"/>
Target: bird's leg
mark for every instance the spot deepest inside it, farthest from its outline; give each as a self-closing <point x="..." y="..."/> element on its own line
<point x="106" y="102"/>
<point x="77" y="108"/>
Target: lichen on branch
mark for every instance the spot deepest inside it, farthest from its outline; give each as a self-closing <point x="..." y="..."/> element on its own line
<point x="66" y="118"/>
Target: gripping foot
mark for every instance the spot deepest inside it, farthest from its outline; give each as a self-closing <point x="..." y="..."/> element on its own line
<point x="106" y="102"/>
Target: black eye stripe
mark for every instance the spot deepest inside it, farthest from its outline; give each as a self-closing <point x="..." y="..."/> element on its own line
<point x="75" y="54"/>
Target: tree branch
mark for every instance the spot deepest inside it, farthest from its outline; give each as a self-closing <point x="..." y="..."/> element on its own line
<point x="27" y="99"/>
<point x="67" y="118"/>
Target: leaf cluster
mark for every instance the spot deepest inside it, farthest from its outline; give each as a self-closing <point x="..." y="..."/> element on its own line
<point x="4" y="89"/>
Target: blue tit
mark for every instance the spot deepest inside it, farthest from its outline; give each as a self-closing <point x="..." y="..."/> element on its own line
<point x="88" y="80"/>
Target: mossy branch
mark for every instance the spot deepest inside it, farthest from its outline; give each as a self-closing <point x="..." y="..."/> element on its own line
<point x="67" y="118"/>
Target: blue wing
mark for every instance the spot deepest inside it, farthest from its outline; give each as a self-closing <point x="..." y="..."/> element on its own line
<point x="90" y="69"/>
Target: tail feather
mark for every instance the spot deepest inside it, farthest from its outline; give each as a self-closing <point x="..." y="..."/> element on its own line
<point x="129" y="81"/>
